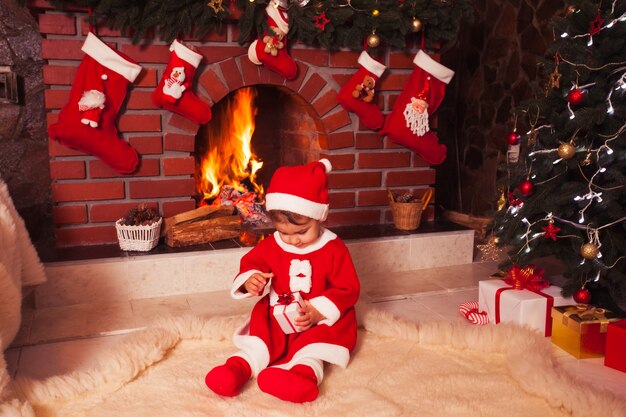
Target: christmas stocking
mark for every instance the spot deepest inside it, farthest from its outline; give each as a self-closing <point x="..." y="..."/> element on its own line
<point x="358" y="94"/>
<point x="173" y="93"/>
<point x="271" y="50"/>
<point x="407" y="124"/>
<point x="87" y="121"/>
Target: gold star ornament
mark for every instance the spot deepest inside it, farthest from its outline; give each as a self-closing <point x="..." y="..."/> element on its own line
<point x="216" y="5"/>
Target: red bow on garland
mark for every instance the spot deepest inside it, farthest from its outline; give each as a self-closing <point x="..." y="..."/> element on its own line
<point x="286" y="298"/>
<point x="528" y="277"/>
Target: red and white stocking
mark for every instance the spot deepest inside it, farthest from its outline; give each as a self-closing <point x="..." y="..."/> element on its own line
<point x="271" y="49"/>
<point x="407" y="124"/>
<point x="173" y="92"/>
<point x="87" y="121"/>
<point x="357" y="95"/>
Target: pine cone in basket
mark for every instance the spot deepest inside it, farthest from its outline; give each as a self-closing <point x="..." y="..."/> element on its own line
<point x="140" y="216"/>
<point x="405" y="198"/>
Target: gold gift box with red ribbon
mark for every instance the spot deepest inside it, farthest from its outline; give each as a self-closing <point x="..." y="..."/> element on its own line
<point x="581" y="329"/>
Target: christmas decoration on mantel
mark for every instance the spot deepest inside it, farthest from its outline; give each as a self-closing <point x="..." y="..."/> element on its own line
<point x="567" y="191"/>
<point x="330" y="24"/>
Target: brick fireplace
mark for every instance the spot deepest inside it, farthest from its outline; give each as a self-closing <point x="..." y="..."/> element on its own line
<point x="88" y="196"/>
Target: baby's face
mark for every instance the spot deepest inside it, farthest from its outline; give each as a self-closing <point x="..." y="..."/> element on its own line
<point x="299" y="235"/>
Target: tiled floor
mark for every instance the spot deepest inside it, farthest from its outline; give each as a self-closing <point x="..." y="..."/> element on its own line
<point x="57" y="340"/>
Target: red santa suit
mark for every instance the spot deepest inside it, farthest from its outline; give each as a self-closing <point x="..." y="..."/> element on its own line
<point x="324" y="274"/>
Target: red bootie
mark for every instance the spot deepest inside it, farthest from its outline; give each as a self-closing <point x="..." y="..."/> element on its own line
<point x="228" y="379"/>
<point x="298" y="384"/>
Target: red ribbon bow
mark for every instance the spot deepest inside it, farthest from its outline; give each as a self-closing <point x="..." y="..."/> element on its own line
<point x="529" y="277"/>
<point x="286" y="298"/>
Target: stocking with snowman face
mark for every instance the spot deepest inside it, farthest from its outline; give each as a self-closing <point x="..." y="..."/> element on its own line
<point x="174" y="90"/>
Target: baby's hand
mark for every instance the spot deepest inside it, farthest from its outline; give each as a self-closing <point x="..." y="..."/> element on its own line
<point x="256" y="283"/>
<point x="309" y="316"/>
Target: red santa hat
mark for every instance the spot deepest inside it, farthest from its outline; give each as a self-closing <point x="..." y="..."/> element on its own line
<point x="301" y="189"/>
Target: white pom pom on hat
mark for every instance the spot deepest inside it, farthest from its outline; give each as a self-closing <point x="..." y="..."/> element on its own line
<point x="327" y="165"/>
<point x="301" y="189"/>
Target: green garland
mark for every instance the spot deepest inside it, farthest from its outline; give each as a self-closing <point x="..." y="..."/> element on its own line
<point x="350" y="22"/>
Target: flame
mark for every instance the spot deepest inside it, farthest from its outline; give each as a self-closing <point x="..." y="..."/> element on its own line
<point x="230" y="159"/>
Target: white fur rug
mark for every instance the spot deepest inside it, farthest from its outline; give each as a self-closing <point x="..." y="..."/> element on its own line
<point x="398" y="369"/>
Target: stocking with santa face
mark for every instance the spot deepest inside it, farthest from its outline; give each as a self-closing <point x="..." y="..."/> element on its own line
<point x="174" y="90"/>
<point x="87" y="121"/>
<point x="408" y="124"/>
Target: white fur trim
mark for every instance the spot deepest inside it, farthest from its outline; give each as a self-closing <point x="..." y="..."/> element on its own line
<point x="235" y="289"/>
<point x="328" y="167"/>
<point x="437" y="70"/>
<point x="324" y="238"/>
<point x="316" y="364"/>
<point x="335" y="354"/>
<point x="327" y="308"/>
<point x="277" y="16"/>
<point x="295" y="204"/>
<point x="252" y="54"/>
<point x="186" y="54"/>
<point x="302" y="283"/>
<point x="107" y="57"/>
<point x="370" y="64"/>
<point x="253" y="347"/>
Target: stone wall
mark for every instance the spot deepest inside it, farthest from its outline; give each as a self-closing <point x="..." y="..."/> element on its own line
<point x="496" y="62"/>
<point x="23" y="135"/>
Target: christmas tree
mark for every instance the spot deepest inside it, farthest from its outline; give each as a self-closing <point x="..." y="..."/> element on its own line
<point x="563" y="192"/>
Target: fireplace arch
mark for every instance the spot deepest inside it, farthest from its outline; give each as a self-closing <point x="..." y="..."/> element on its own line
<point x="285" y="131"/>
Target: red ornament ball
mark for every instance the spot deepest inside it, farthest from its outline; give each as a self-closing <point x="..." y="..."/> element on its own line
<point x="526" y="188"/>
<point x="513" y="138"/>
<point x="576" y="96"/>
<point x="582" y="296"/>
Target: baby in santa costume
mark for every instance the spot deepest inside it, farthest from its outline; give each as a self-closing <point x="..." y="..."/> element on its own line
<point x="303" y="263"/>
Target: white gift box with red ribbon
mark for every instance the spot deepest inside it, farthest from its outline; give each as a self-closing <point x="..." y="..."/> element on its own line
<point x="286" y="311"/>
<point x="503" y="303"/>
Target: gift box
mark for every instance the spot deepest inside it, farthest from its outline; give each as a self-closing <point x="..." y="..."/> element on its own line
<point x="581" y="329"/>
<point x="287" y="310"/>
<point x="615" y="353"/>
<point x="526" y="307"/>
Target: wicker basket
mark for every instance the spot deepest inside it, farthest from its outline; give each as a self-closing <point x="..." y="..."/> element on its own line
<point x="139" y="238"/>
<point x="407" y="216"/>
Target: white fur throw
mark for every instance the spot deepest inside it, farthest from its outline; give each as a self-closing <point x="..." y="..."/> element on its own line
<point x="19" y="266"/>
<point x="399" y="369"/>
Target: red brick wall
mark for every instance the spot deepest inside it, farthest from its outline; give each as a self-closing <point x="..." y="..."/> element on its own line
<point x="88" y="196"/>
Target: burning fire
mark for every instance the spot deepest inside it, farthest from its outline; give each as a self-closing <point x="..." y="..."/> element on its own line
<point x="230" y="160"/>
